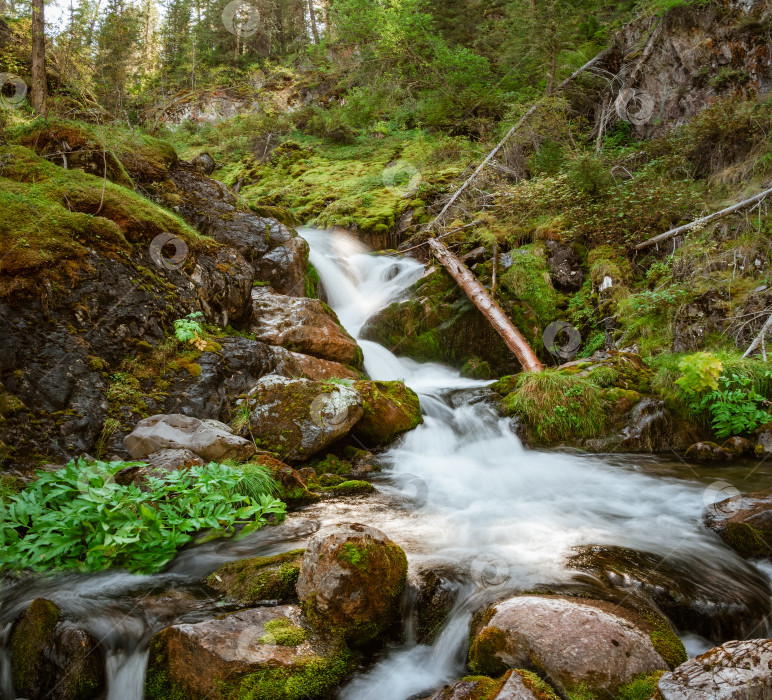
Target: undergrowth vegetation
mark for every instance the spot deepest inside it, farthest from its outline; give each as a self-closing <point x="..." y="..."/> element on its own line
<point x="79" y="517"/>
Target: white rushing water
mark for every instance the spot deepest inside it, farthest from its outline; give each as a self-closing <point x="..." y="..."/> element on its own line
<point x="458" y="492"/>
<point x="506" y="515"/>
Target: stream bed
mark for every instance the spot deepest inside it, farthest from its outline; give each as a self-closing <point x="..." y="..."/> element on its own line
<point x="460" y="492"/>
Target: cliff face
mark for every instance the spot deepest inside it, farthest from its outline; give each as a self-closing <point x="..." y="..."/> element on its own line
<point x="686" y="60"/>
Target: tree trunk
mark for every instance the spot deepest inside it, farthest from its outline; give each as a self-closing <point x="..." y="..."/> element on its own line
<point x="704" y="220"/>
<point x="487" y="306"/>
<point x="38" y="91"/>
<point x="312" y="17"/>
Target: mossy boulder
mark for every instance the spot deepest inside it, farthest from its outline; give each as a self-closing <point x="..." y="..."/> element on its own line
<point x="744" y="522"/>
<point x="437" y="323"/>
<point x="267" y="653"/>
<point x="252" y="581"/>
<point x="352" y="487"/>
<point x="351" y="581"/>
<point x="52" y="659"/>
<point x="297" y="418"/>
<point x="293" y="488"/>
<point x="390" y="409"/>
<point x="573" y="643"/>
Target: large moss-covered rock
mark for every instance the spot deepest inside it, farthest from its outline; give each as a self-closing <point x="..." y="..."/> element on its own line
<point x="267" y="653"/>
<point x="715" y="601"/>
<point x="390" y="409"/>
<point x="437" y="323"/>
<point x="574" y="643"/>
<point x="744" y="522"/>
<point x="351" y="580"/>
<point x="296" y="418"/>
<point x="252" y="581"/>
<point x="52" y="659"/>
<point x="293" y="488"/>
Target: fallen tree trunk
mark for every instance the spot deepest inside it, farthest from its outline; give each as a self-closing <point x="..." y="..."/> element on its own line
<point x="479" y="296"/>
<point x="759" y="340"/>
<point x="704" y="220"/>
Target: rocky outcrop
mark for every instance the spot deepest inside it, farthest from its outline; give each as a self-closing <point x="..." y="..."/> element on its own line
<point x="437" y="592"/>
<point x="733" y="671"/>
<point x="691" y="57"/>
<point x="744" y="522"/>
<point x="715" y="601"/>
<point x="351" y="581"/>
<point x="209" y="439"/>
<point x="297" y="418"/>
<point x="53" y="659"/>
<point x="390" y="409"/>
<point x="303" y="325"/>
<point x="268" y="652"/>
<point x="250" y="582"/>
<point x="571" y="642"/>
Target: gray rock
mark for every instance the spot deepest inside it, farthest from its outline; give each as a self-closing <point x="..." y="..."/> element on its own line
<point x="744" y="522"/>
<point x="733" y="671"/>
<point x="204" y="162"/>
<point x="565" y="267"/>
<point x="213" y="443"/>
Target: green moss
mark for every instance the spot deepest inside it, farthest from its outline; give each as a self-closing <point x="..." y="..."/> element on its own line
<point x="746" y="540"/>
<point x="667" y="643"/>
<point x="30" y="640"/>
<point x="312" y="290"/>
<point x="283" y="633"/>
<point x="250" y="581"/>
<point x="349" y="488"/>
<point x="483" y="652"/>
<point x="390" y="409"/>
<point x="158" y="684"/>
<point x="641" y="687"/>
<point x="474" y="368"/>
<point x="540" y="689"/>
<point x="558" y="406"/>
<point x="529" y="281"/>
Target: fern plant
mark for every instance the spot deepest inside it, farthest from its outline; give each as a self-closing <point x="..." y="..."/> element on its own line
<point x="191" y="330"/>
<point x="734" y="407"/>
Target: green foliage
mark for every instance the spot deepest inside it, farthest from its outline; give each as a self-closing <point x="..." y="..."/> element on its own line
<point x="283" y="633"/>
<point x="590" y="175"/>
<point x="189" y="328"/>
<point x="78" y="517"/>
<point x="734" y="407"/>
<point x="558" y="406"/>
<point x="700" y="372"/>
<point x="641" y="687"/>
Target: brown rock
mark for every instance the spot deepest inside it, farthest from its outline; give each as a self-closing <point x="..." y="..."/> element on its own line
<point x="737" y="446"/>
<point x="390" y="409"/>
<point x="303" y="325"/>
<point x="707" y="452"/>
<point x="293" y="487"/>
<point x="744" y="522"/>
<point x="351" y="580"/>
<point x="268" y="651"/>
<point x="568" y="641"/>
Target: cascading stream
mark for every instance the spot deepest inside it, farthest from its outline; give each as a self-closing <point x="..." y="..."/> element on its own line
<point x="504" y="516"/>
<point x="460" y="491"/>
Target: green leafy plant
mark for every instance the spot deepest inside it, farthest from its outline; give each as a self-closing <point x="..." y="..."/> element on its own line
<point x="734" y="407"/>
<point x="701" y="372"/>
<point x="78" y="517"/>
<point x="190" y="329"/>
